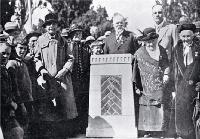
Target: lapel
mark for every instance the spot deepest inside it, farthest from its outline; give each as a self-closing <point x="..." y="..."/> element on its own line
<point x="179" y="58"/>
<point x="194" y="46"/>
<point x="163" y="30"/>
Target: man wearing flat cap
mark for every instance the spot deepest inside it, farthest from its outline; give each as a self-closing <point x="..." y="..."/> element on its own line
<point x="186" y="75"/>
<point x="13" y="31"/>
<point x="120" y="40"/>
<point x="54" y="61"/>
<point x="150" y="76"/>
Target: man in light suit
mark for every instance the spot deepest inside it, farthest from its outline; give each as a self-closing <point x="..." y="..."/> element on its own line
<point x="168" y="36"/>
<point x="120" y="41"/>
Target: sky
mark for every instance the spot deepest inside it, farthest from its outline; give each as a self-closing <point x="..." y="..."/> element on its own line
<point x="138" y="12"/>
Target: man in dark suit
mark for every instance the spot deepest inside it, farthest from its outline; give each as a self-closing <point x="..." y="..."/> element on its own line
<point x="120" y="41"/>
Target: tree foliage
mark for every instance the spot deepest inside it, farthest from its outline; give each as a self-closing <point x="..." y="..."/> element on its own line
<point x="68" y="10"/>
<point x="94" y="18"/>
<point x="177" y="8"/>
<point x="79" y="12"/>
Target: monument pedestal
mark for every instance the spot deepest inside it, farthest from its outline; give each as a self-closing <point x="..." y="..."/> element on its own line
<point x="111" y="98"/>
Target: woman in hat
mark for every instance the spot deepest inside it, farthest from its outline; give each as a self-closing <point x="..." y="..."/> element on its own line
<point x="54" y="62"/>
<point x="80" y="72"/>
<point x="150" y="75"/>
<point x="186" y="73"/>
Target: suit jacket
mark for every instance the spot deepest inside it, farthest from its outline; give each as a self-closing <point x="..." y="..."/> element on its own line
<point x="168" y="37"/>
<point x="128" y="45"/>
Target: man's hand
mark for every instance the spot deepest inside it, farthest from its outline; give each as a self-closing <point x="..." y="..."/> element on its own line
<point x="43" y="72"/>
<point x="41" y="82"/>
<point x="61" y="73"/>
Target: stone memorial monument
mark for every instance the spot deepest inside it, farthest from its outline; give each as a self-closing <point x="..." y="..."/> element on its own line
<point x="111" y="98"/>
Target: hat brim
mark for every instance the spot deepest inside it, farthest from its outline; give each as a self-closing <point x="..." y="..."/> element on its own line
<point x="147" y="38"/>
<point x="11" y="30"/>
<point x="36" y="34"/>
<point x="74" y="30"/>
<point x="49" y="21"/>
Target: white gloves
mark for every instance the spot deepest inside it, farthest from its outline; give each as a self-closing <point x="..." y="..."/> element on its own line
<point x="41" y="82"/>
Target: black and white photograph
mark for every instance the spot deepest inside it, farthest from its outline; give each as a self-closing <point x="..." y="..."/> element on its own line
<point x="100" y="69"/>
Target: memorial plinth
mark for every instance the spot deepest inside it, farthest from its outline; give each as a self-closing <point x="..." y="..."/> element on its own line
<point x="111" y="100"/>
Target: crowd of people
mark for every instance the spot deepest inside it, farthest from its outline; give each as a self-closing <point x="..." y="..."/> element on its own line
<point x="43" y="75"/>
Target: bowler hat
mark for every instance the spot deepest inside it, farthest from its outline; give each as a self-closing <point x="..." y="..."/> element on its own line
<point x="148" y="34"/>
<point x="11" y="26"/>
<point x="191" y="27"/>
<point x="74" y="28"/>
<point x="50" y="18"/>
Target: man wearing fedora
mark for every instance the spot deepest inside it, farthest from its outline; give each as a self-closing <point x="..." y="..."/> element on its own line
<point x="54" y="61"/>
<point x="150" y="75"/>
<point x="120" y="41"/>
<point x="187" y="72"/>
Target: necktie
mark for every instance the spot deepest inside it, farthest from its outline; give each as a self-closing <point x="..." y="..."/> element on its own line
<point x="187" y="54"/>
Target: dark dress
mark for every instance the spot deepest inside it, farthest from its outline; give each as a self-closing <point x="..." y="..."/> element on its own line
<point x="185" y="90"/>
<point x="148" y="76"/>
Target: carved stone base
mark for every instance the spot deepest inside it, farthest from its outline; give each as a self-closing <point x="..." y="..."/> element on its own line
<point x="111" y="100"/>
<point x="107" y="126"/>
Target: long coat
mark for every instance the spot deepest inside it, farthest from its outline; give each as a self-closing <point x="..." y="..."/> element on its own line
<point x="128" y="44"/>
<point x="22" y="84"/>
<point x="53" y="54"/>
<point x="148" y="77"/>
<point x="8" y="120"/>
<point x="20" y="79"/>
<point x="185" y="80"/>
